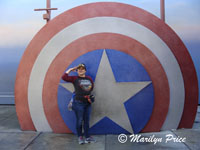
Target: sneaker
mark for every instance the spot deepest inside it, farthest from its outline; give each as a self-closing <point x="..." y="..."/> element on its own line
<point x="80" y="140"/>
<point x="90" y="140"/>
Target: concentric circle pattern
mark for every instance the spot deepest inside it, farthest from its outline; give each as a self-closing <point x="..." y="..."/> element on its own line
<point x="107" y="25"/>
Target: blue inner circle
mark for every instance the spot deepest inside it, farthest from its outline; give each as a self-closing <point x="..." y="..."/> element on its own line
<point x="125" y="69"/>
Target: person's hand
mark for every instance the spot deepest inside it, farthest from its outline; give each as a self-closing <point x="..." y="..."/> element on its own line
<point x="88" y="98"/>
<point x="71" y="69"/>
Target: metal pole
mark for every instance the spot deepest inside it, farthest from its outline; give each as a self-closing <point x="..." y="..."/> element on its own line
<point x="162" y="10"/>
<point x="49" y="11"/>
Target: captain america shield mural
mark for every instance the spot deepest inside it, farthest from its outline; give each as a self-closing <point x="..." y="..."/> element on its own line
<point x="115" y="39"/>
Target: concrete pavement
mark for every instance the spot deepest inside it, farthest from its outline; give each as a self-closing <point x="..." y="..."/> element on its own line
<point x="12" y="138"/>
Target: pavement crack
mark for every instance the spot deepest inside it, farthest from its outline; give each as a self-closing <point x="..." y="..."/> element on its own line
<point x="183" y="142"/>
<point x="34" y="138"/>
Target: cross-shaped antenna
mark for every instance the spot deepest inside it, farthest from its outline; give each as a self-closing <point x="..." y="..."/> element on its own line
<point x="47" y="16"/>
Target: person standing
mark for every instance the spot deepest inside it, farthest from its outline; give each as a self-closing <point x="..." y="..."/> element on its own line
<point x="81" y="105"/>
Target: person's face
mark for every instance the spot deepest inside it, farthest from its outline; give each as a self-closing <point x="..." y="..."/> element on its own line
<point x="81" y="71"/>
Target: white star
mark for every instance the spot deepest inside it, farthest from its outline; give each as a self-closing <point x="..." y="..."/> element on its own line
<point x="110" y="95"/>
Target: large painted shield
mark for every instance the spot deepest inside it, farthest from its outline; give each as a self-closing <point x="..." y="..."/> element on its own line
<point x="144" y="77"/>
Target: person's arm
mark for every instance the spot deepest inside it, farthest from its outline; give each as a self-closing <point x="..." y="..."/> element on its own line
<point x="92" y="85"/>
<point x="66" y="76"/>
<point x="91" y="82"/>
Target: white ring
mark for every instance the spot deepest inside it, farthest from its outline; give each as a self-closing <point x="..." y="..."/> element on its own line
<point x="109" y="25"/>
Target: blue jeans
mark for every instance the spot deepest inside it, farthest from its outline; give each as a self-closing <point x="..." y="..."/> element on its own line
<point x="82" y="111"/>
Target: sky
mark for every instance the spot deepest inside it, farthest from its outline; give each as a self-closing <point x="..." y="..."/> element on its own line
<point x="19" y="23"/>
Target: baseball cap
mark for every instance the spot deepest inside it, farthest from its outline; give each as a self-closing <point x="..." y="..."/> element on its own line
<point x="82" y="65"/>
